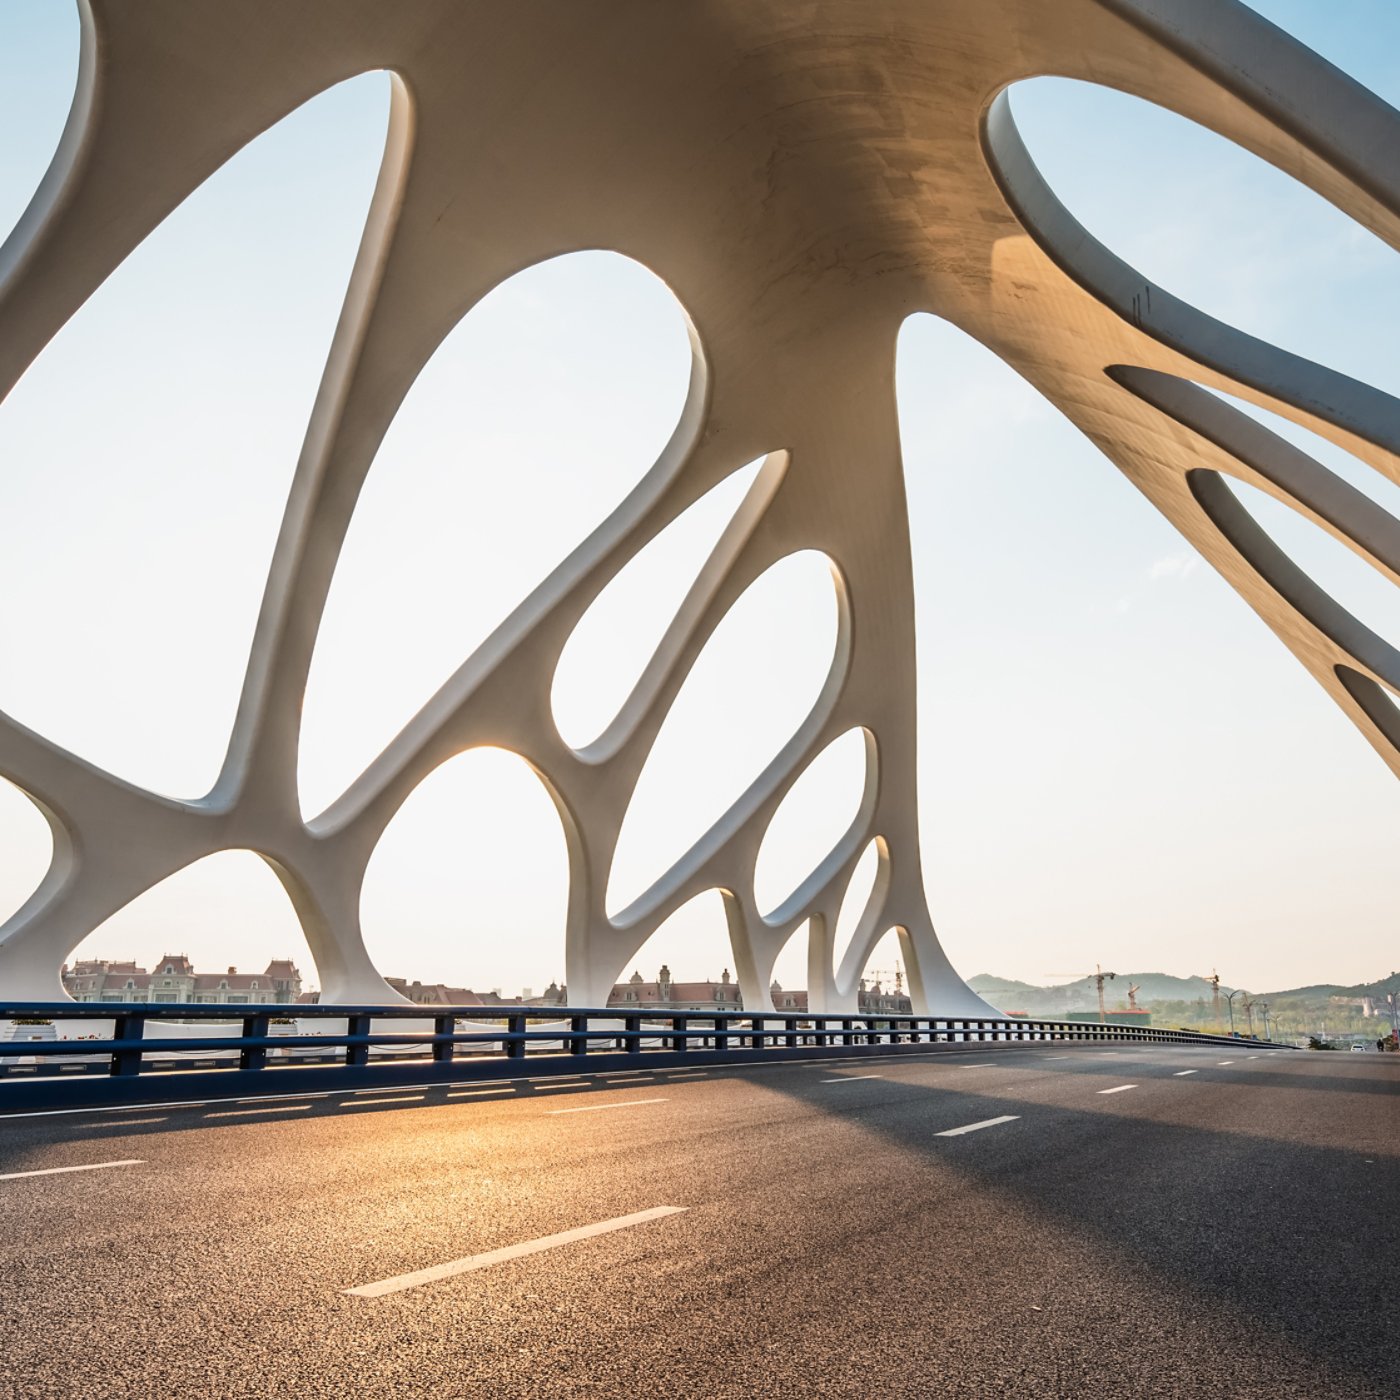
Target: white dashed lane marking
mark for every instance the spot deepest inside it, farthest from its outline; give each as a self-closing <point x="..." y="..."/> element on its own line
<point x="1119" y="1089"/>
<point x="399" y="1282"/>
<point x="269" y="1108"/>
<point x="85" y="1167"/>
<point x="977" y="1127"/>
<point x="848" y="1078"/>
<point x="601" y="1107"/>
<point x="1180" y="1072"/>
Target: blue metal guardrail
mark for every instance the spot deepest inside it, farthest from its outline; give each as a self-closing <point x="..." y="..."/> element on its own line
<point x="501" y="1042"/>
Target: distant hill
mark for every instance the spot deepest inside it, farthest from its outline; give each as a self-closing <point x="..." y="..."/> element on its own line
<point x="985" y="982"/>
<point x="1376" y="989"/>
<point x="1010" y="994"/>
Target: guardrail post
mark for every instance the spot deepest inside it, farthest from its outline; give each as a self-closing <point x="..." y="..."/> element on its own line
<point x="721" y="1033"/>
<point x="578" y="1044"/>
<point x="515" y="1035"/>
<point x="357" y="1054"/>
<point x="758" y="1040"/>
<point x="129" y="1026"/>
<point x="632" y="1041"/>
<point x="443" y="1049"/>
<point x="254" y="1026"/>
<point x="790" y="1039"/>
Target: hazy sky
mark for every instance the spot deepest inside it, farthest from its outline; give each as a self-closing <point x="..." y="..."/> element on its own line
<point x="1119" y="763"/>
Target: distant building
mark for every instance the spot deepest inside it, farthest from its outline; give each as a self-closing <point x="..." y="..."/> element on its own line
<point x="724" y="995"/>
<point x="666" y="995"/>
<point x="441" y="994"/>
<point x="175" y="980"/>
<point x="438" y="994"/>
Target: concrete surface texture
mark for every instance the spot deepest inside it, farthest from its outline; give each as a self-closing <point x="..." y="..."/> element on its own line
<point x="804" y="176"/>
<point x="995" y="1221"/>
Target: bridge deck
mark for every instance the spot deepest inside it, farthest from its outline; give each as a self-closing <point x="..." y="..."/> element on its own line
<point x="1112" y="1221"/>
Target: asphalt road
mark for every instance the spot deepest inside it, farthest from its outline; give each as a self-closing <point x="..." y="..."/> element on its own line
<point x="1229" y="1225"/>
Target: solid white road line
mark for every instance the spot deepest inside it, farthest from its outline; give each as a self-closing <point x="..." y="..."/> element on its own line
<point x="977" y="1127"/>
<point x="847" y="1078"/>
<point x="1119" y="1089"/>
<point x="600" y="1107"/>
<point x="514" y="1251"/>
<point x="86" y="1167"/>
<point x="1180" y="1072"/>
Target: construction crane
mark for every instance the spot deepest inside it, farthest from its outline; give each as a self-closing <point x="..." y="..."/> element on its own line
<point x="882" y="977"/>
<point x="1132" y="996"/>
<point x="1214" y="980"/>
<point x="1099" y="976"/>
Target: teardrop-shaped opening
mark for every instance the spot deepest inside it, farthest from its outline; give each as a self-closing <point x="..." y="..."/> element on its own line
<point x="618" y="635"/>
<point x="818" y="810"/>
<point x="754" y="682"/>
<point x="148" y="450"/>
<point x="468" y="887"/>
<point x="687" y="963"/>
<point x="856" y="901"/>
<point x="1348" y="580"/>
<point x="1215" y="224"/>
<point x="1032" y="556"/>
<point x="27" y="844"/>
<point x="1382" y="706"/>
<point x="882" y="988"/>
<point x="547" y="403"/>
<point x="1371" y="483"/>
<point x="219" y="932"/>
<point x="39" y="46"/>
<point x="788" y="985"/>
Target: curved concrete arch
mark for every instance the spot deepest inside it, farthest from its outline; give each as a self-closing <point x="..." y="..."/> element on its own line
<point x="803" y="177"/>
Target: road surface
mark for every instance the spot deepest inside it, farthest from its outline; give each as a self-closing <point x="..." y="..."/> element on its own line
<point x="1035" y="1221"/>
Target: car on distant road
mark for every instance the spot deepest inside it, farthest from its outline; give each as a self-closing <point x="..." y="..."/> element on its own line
<point x="1358" y="1049"/>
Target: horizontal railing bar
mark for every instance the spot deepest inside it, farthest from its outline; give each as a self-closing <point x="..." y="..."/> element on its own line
<point x="730" y="1021"/>
<point x="427" y="1039"/>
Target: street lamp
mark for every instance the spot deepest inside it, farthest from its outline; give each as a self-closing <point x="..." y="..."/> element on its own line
<point x="1264" y="1012"/>
<point x="1230" y="1001"/>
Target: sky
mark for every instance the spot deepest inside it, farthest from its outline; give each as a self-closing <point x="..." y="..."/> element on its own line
<point x="1119" y="763"/>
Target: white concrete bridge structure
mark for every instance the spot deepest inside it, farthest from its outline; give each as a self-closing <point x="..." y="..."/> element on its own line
<point x="804" y="174"/>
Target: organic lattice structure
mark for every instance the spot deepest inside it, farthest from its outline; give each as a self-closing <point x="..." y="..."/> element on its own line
<point x="804" y="174"/>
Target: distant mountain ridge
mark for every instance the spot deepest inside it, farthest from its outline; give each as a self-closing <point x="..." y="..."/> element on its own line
<point x="1010" y="994"/>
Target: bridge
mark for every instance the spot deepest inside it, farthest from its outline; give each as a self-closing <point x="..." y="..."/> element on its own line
<point x="489" y="1201"/>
